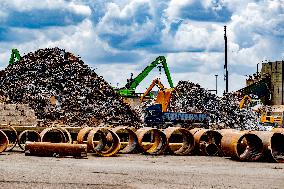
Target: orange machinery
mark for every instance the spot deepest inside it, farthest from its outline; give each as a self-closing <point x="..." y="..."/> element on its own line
<point x="164" y="94"/>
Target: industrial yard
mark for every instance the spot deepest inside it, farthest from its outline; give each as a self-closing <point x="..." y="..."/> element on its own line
<point x="64" y="126"/>
<point x="137" y="171"/>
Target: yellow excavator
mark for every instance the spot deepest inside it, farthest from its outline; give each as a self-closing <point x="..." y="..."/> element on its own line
<point x="164" y="94"/>
<point x="266" y="117"/>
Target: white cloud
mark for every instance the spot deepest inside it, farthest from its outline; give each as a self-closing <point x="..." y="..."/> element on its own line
<point x="173" y="10"/>
<point x="29" y="5"/>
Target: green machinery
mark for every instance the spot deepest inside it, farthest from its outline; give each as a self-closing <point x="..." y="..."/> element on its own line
<point x="15" y="54"/>
<point x="129" y="89"/>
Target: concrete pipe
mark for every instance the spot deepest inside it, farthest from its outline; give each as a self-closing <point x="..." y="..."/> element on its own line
<point x="55" y="149"/>
<point x="126" y="135"/>
<point x="178" y="135"/>
<point x="100" y="147"/>
<point x="53" y="135"/>
<point x="242" y="145"/>
<point x="207" y="142"/>
<point x="12" y="135"/>
<point x="4" y="141"/>
<point x="28" y="135"/>
<point x="151" y="141"/>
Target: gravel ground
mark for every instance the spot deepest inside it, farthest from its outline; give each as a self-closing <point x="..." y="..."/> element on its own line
<point x="136" y="171"/>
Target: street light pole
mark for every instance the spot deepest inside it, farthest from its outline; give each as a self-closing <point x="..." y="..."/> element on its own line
<point x="216" y="83"/>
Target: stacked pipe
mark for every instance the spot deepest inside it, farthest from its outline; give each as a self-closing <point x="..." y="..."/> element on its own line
<point x="104" y="141"/>
<point x="60" y="87"/>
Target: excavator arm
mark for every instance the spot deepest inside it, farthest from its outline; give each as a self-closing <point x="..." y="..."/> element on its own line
<point x="15" y="54"/>
<point x="245" y="100"/>
<point x="130" y="87"/>
<point x="153" y="84"/>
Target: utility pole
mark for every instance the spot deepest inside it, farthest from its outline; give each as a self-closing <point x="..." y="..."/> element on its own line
<point x="226" y="60"/>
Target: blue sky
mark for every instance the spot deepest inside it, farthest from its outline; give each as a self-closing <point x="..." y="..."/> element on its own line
<point x="121" y="37"/>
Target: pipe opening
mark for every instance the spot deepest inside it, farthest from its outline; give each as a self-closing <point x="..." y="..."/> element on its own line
<point x="277" y="147"/>
<point x="12" y="135"/>
<point x="52" y="135"/>
<point x="249" y="147"/>
<point x="3" y="141"/>
<point x="181" y="141"/>
<point x="28" y="135"/>
<point x="127" y="138"/>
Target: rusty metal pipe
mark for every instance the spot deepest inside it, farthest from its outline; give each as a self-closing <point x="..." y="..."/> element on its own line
<point x="101" y="149"/>
<point x="53" y="134"/>
<point x="4" y="141"/>
<point x="55" y="149"/>
<point x="277" y="147"/>
<point x="28" y="135"/>
<point x="158" y="141"/>
<point x="242" y="145"/>
<point x="12" y="135"/>
<point x="187" y="146"/>
<point x="132" y="142"/>
<point x="207" y="142"/>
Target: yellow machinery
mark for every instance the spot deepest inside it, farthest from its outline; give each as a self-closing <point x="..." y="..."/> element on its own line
<point x="164" y="94"/>
<point x="270" y="117"/>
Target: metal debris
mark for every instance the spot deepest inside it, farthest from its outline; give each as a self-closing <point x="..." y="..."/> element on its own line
<point x="60" y="87"/>
<point x="224" y="111"/>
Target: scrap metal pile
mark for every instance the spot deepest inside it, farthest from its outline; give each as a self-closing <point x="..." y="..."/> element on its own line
<point x="60" y="87"/>
<point x="224" y="111"/>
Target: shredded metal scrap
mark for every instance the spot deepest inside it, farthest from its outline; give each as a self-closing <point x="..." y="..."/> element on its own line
<point x="224" y="111"/>
<point x="60" y="87"/>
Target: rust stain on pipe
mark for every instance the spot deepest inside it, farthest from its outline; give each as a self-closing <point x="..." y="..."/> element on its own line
<point x="55" y="149"/>
<point x="187" y="146"/>
<point x="157" y="138"/>
<point x="4" y="141"/>
<point x="242" y="145"/>
<point x="28" y="135"/>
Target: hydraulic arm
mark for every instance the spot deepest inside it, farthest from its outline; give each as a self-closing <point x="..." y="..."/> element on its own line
<point x="130" y="87"/>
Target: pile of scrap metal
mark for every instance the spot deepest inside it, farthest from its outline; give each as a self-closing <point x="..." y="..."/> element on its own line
<point x="105" y="142"/>
<point x="60" y="87"/>
<point x="224" y="111"/>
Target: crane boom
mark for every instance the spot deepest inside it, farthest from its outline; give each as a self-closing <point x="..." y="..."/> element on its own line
<point x="130" y="87"/>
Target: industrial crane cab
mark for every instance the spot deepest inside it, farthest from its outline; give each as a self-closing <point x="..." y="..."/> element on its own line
<point x="155" y="117"/>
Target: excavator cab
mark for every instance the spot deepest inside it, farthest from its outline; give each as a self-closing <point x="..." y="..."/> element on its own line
<point x="15" y="55"/>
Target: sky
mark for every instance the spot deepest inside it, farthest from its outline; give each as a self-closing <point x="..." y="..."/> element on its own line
<point x="120" y="37"/>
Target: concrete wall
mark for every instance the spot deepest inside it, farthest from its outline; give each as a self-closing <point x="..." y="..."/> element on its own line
<point x="17" y="115"/>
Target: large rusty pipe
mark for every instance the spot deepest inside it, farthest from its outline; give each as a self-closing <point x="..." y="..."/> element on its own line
<point x="207" y="142"/>
<point x="242" y="145"/>
<point x="132" y="142"/>
<point x="53" y="134"/>
<point x="55" y="149"/>
<point x="12" y="135"/>
<point x="28" y="135"/>
<point x="187" y="146"/>
<point x="158" y="141"/>
<point x="101" y="149"/>
<point x="273" y="144"/>
<point x="3" y="141"/>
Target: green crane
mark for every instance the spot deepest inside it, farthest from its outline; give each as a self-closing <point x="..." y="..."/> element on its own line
<point x="15" y="54"/>
<point x="129" y="89"/>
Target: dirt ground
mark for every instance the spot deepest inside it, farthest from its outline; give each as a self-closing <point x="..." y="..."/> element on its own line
<point x="136" y="171"/>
